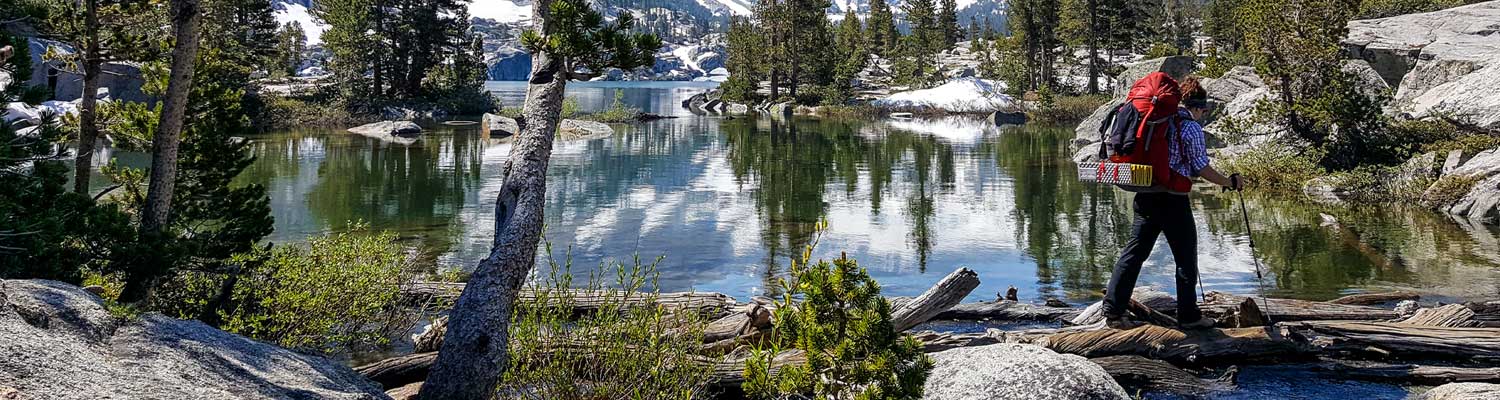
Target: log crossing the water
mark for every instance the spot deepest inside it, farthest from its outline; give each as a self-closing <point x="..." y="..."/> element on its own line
<point x="1433" y="345"/>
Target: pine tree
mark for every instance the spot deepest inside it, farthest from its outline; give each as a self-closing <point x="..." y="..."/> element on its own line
<point x="853" y="56"/>
<point x="1034" y="23"/>
<point x="291" y="49"/>
<point x="569" y="41"/>
<point x="948" y="23"/>
<point x="880" y="30"/>
<point x="351" y="50"/>
<point x="745" y="61"/>
<point x="104" y="31"/>
<point x="974" y="29"/>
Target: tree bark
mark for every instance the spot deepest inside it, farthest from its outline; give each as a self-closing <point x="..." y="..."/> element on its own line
<point x="1367" y="299"/>
<point x="88" y="126"/>
<point x="158" y="208"/>
<point x="474" y="354"/>
<point x="1136" y="372"/>
<point x="940" y="297"/>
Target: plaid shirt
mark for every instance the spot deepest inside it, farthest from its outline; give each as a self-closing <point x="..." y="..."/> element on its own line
<point x="1188" y="152"/>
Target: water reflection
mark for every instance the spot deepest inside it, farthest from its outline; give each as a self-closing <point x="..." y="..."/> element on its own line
<point x="729" y="201"/>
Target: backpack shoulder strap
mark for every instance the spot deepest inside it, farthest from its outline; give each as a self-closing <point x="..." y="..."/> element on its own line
<point x="1109" y="120"/>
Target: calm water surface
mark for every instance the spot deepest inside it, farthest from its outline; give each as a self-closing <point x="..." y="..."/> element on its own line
<point x="728" y="201"/>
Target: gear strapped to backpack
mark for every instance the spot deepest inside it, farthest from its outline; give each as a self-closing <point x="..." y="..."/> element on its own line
<point x="1135" y="137"/>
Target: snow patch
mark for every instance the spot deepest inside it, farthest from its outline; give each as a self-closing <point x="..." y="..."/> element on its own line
<point x="504" y="11"/>
<point x="314" y="28"/>
<point x="958" y="95"/>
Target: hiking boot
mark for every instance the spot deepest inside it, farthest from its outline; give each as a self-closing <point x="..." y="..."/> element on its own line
<point x="1201" y="323"/>
<point x="1120" y="322"/>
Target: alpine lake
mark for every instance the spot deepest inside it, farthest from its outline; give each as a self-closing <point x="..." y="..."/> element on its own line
<point x="729" y="201"/>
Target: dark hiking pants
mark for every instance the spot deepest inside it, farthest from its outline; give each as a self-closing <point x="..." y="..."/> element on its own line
<point x="1155" y="214"/>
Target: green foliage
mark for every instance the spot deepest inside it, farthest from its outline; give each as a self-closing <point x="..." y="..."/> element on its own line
<point x="1276" y="167"/>
<point x="618" y="352"/>
<point x="617" y="112"/>
<point x="19" y="68"/>
<point x="744" y="61"/>
<point x="1034" y="27"/>
<point x="1217" y="62"/>
<point x="1064" y="109"/>
<point x="1159" y="50"/>
<point x="947" y="20"/>
<point x="1295" y="47"/>
<point x="341" y="291"/>
<point x="880" y="30"/>
<point x="835" y="314"/>
<point x="46" y="231"/>
<point x="1370" y="9"/>
<point x="578" y="36"/>
<point x="1449" y="189"/>
<point x="400" y="51"/>
<point x="569" y="107"/>
<point x="291" y="49"/>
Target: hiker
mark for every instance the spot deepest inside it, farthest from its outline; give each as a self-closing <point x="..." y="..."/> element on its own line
<point x="1167" y="210"/>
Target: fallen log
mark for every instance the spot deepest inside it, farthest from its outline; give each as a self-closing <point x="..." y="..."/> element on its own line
<point x="1140" y="373"/>
<point x="1366" y="299"/>
<point x="399" y="371"/>
<point x="1225" y="306"/>
<point x="1401" y="340"/>
<point x="1005" y="310"/>
<point x="1196" y="347"/>
<point x="1452" y="315"/>
<point x="1410" y="373"/>
<point x="933" y="342"/>
<point x="938" y="298"/>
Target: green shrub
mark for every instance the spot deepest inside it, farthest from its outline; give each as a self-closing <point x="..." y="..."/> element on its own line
<point x="1449" y="189"/>
<point x="340" y="291"/>
<point x="1064" y="109"/>
<point x="834" y="313"/>
<point x="618" y="111"/>
<point x="1277" y="168"/>
<point x="280" y="112"/>
<point x="1369" y="9"/>
<point x="1159" y="50"/>
<point x="619" y="352"/>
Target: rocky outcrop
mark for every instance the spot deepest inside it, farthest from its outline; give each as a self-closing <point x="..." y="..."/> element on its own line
<point x="495" y="125"/>
<point x="573" y="129"/>
<point x="1443" y="64"/>
<point x="62" y="343"/>
<point x="1017" y="371"/>
<point x="1463" y="391"/>
<point x="1482" y="203"/>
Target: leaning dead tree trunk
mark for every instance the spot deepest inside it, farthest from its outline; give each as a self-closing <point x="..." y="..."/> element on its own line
<point x="940" y="297"/>
<point x="475" y="348"/>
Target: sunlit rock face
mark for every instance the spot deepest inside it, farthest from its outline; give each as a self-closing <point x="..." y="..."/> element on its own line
<point x="1444" y="63"/>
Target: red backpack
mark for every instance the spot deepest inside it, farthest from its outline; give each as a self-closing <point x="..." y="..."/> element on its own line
<point x="1139" y="132"/>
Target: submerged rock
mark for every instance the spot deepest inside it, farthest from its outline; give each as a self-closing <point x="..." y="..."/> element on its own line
<point x="61" y="343"/>
<point x="1463" y="391"/>
<point x="499" y="125"/>
<point x="1017" y="371"/>
<point x="999" y="118"/>
<point x="573" y="129"/>
<point x="401" y="128"/>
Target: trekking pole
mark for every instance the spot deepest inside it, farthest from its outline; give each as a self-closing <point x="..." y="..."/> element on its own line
<point x="1260" y="282"/>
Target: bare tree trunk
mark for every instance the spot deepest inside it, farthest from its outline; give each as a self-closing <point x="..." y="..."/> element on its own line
<point x="88" y="127"/>
<point x="1093" y="48"/>
<point x="158" y="208"/>
<point x="474" y="354"/>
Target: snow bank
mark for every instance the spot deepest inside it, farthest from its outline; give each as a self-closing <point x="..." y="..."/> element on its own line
<point x="288" y="12"/>
<point x="503" y="11"/>
<point x="958" y="95"/>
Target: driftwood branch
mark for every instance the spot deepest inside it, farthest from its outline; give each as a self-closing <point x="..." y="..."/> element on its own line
<point x="1224" y="306"/>
<point x="940" y="297"/>
<point x="1366" y="299"/>
<point x="1401" y="340"/>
